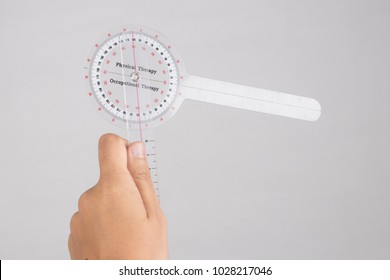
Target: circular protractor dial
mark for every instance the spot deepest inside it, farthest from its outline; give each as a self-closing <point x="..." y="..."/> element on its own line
<point x="134" y="76"/>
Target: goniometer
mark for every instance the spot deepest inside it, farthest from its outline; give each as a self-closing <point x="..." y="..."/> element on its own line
<point x="137" y="80"/>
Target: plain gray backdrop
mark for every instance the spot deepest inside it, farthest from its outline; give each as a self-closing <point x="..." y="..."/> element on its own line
<point x="234" y="184"/>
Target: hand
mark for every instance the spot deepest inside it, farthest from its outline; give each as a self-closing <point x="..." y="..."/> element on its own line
<point x="120" y="217"/>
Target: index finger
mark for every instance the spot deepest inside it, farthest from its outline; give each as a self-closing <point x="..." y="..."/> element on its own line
<point x="112" y="154"/>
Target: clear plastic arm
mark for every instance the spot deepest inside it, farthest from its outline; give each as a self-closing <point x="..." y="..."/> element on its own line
<point x="250" y="98"/>
<point x="147" y="136"/>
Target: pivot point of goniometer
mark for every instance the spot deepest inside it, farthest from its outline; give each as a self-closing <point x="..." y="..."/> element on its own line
<point x="135" y="76"/>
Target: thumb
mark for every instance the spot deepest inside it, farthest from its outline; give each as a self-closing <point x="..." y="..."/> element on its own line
<point x="139" y="169"/>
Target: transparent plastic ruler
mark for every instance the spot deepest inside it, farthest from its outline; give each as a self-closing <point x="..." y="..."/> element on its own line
<point x="137" y="80"/>
<point x="151" y="152"/>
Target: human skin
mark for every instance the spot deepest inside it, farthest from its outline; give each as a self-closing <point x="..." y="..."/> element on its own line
<point x="120" y="217"/>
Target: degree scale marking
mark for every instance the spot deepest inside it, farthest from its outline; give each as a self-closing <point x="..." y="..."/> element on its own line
<point x="104" y="54"/>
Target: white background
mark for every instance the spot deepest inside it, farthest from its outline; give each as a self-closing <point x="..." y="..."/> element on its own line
<point x="233" y="184"/>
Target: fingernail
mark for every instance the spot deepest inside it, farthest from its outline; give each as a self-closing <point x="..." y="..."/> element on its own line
<point x="138" y="150"/>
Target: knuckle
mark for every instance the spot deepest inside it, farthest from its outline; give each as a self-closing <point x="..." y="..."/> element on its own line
<point x="74" y="221"/>
<point x="142" y="175"/>
<point x="84" y="200"/>
<point x="74" y="217"/>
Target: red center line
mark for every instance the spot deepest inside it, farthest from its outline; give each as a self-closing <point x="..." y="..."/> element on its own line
<point x="136" y="87"/>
